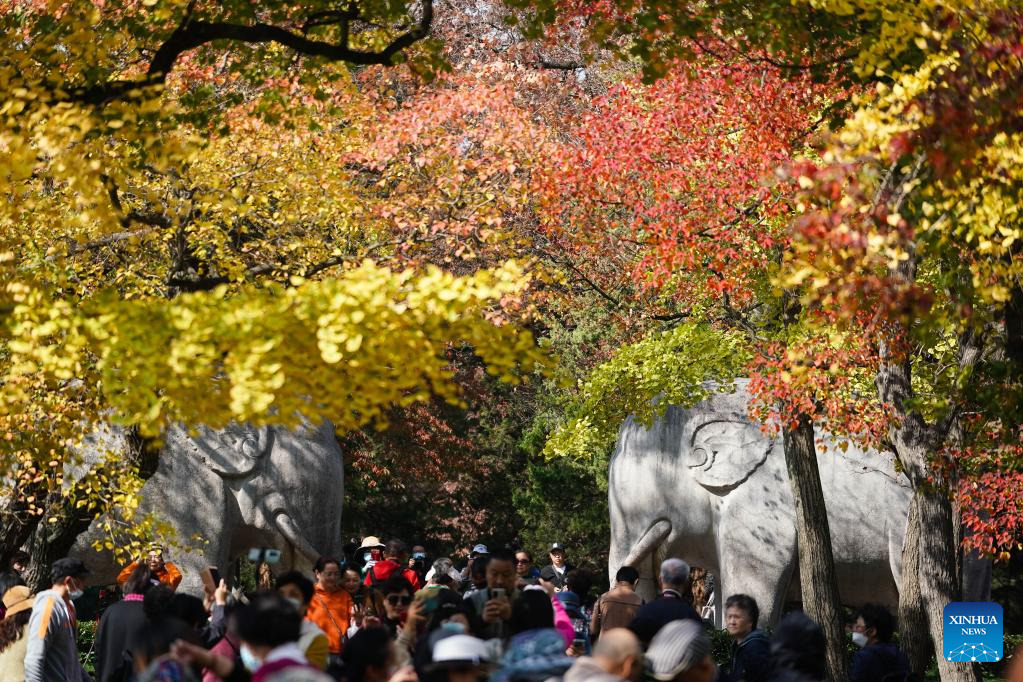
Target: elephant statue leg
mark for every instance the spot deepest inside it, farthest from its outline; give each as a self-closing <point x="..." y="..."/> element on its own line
<point x="643" y="556"/>
<point x="765" y="576"/>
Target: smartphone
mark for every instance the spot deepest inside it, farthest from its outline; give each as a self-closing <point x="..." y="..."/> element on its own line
<point x="210" y="577"/>
<point x="498" y="593"/>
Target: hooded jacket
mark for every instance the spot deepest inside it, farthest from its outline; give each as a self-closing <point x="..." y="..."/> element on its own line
<point x="750" y="658"/>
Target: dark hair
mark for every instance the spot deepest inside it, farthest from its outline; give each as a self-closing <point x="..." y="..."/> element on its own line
<point x="67" y="568"/>
<point x="268" y="620"/>
<point x="321" y="563"/>
<point x="530" y="611"/>
<point x="627" y="574"/>
<point x="579" y="581"/>
<point x="188" y="609"/>
<point x="368" y="648"/>
<point x="20" y="556"/>
<point x="395" y="584"/>
<point x="9" y="579"/>
<point x="479" y="565"/>
<point x="157" y="601"/>
<point x="878" y="617"/>
<point x="139" y="582"/>
<point x="447" y="603"/>
<point x="747" y="604"/>
<point x="503" y="555"/>
<point x="798" y="645"/>
<point x="12" y="627"/>
<point x="304" y="584"/>
<point x="395" y="548"/>
<point x="155" y="637"/>
<point x="525" y="551"/>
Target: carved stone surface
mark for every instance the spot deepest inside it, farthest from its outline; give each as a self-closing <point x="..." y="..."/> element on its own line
<point x="707" y="485"/>
<point x="239" y="488"/>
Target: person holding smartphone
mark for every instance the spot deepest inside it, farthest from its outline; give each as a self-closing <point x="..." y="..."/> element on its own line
<point x="490" y="608"/>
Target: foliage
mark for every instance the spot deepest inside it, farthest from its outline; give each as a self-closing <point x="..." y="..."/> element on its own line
<point x="642" y="379"/>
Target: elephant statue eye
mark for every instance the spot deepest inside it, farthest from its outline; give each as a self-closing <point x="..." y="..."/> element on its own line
<point x="699" y="457"/>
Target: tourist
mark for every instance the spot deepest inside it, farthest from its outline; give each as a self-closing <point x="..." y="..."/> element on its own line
<point x="418" y="563"/>
<point x="20" y="561"/>
<point x="119" y="621"/>
<point x="397" y="592"/>
<point x="52" y="650"/>
<point x="229" y="646"/>
<point x="17" y="602"/>
<point x="524" y="568"/>
<point x="459" y="658"/>
<point x="878" y="655"/>
<point x="395" y="561"/>
<point x="150" y="647"/>
<point x="674" y="582"/>
<point x="573" y="598"/>
<point x="617" y="607"/>
<point x="268" y="629"/>
<point x="798" y="650"/>
<point x="369" y="657"/>
<point x="478" y="575"/>
<point x="443" y="574"/>
<point x="556" y="571"/>
<point x="751" y="649"/>
<point x="165" y="571"/>
<point x="331" y="607"/>
<point x="478" y="558"/>
<point x="680" y="652"/>
<point x="369" y="553"/>
<point x="8" y="579"/>
<point x="536" y="650"/>
<point x="698" y="580"/>
<point x="617" y="657"/>
<point x="1015" y="671"/>
<point x="490" y="608"/>
<point x="299" y="590"/>
<point x="351" y="581"/>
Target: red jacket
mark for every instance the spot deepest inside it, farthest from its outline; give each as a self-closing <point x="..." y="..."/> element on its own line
<point x="382" y="570"/>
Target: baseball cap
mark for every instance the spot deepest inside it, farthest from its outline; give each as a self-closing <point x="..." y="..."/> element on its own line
<point x="17" y="599"/>
<point x="460" y="649"/>
<point x="679" y="646"/>
<point x="480" y="549"/>
<point x="68" y="567"/>
<point x="556" y="546"/>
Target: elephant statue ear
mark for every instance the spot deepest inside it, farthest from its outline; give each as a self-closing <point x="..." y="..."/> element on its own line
<point x="722" y="453"/>
<point x="235" y="450"/>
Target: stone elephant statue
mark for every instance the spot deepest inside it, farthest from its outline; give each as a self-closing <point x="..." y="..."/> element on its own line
<point x="707" y="485"/>
<point x="239" y="488"/>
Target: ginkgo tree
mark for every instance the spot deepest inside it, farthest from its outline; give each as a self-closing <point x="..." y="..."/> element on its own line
<point x="184" y="236"/>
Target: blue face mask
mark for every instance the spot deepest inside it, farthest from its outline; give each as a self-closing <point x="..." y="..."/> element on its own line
<point x="249" y="659"/>
<point x="419" y="555"/>
<point x="453" y="626"/>
<point x="367" y="556"/>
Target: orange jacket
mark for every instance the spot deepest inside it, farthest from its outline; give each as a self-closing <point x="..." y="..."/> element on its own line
<point x="331" y="611"/>
<point x="169" y="576"/>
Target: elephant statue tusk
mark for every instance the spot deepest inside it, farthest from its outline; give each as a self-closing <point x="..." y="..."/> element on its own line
<point x="294" y="536"/>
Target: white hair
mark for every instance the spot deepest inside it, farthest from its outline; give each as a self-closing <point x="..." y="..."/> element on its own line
<point x="674" y="572"/>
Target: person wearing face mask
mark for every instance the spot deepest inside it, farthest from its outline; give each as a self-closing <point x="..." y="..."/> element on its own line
<point x="330" y="607"/>
<point x="299" y="590"/>
<point x="369" y="553"/>
<point x="878" y="655"/>
<point x="53" y="628"/>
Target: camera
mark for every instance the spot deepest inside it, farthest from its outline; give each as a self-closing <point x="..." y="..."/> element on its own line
<point x="267" y="554"/>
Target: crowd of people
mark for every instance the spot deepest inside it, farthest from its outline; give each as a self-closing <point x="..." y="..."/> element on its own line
<point x="383" y="614"/>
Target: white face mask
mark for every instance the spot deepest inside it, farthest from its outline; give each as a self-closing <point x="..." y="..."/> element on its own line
<point x="296" y="603"/>
<point x="74" y="593"/>
<point x="859" y="639"/>
<point x="249" y="659"/>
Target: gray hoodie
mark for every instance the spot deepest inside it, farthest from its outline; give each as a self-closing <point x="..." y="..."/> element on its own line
<point x="52" y="651"/>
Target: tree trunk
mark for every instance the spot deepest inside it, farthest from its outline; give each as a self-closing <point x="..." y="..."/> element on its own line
<point x="816" y="562"/>
<point x="913" y="627"/>
<point x="63" y="520"/>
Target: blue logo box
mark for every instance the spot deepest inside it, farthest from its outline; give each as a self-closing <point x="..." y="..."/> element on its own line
<point x="972" y="631"/>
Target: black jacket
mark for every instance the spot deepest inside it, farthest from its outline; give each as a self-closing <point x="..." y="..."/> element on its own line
<point x="116" y="625"/>
<point x="750" y="658"/>
<point x="650" y="618"/>
<point x="874" y="661"/>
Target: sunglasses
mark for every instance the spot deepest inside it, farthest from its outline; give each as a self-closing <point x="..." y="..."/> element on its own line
<point x="522" y="561"/>
<point x="395" y="599"/>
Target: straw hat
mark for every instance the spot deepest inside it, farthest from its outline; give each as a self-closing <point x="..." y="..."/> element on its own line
<point x="17" y="599"/>
<point x="371" y="542"/>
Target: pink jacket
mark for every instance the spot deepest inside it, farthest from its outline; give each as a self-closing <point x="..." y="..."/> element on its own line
<point x="562" y="623"/>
